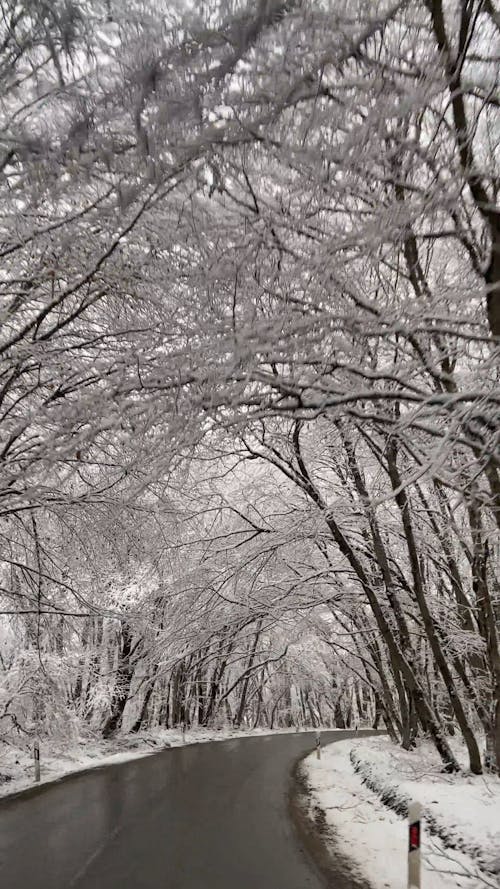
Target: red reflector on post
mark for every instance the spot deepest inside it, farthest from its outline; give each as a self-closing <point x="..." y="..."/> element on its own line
<point x="414" y="819"/>
<point x="414" y="836"/>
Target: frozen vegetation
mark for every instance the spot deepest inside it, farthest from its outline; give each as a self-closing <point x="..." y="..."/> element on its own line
<point x="249" y="380"/>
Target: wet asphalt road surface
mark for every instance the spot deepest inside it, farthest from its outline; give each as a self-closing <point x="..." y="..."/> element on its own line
<point x="203" y="816"/>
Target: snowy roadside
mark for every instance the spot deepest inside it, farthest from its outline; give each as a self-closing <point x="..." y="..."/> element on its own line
<point x="16" y="763"/>
<point x="465" y="810"/>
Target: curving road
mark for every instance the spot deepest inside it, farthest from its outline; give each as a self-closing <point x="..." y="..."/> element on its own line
<point x="204" y="816"/>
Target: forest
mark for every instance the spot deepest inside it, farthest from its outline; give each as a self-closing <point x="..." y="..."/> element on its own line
<point x="249" y="368"/>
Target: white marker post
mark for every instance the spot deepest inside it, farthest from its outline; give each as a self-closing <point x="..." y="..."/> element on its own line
<point x="318" y="745"/>
<point x="36" y="758"/>
<point x="414" y="833"/>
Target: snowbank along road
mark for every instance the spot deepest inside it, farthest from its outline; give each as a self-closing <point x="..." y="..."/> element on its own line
<point x="204" y="816"/>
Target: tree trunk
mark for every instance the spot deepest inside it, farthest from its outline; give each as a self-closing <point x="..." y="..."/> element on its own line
<point x="123" y="680"/>
<point x="488" y="624"/>
<point x="244" y="691"/>
<point x="418" y="586"/>
<point x="78" y="689"/>
<point x="147" y="697"/>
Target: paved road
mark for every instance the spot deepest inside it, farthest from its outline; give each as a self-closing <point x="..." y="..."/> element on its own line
<point x="206" y="816"/>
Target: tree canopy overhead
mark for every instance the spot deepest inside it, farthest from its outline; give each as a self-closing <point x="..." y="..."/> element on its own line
<point x="250" y="288"/>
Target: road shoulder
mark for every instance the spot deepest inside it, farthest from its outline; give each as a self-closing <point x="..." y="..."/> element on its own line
<point x="357" y="825"/>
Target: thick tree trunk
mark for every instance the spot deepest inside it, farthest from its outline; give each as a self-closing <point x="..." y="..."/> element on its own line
<point x="123" y="680"/>
<point x="379" y="711"/>
<point x="339" y="716"/>
<point x="147" y="697"/>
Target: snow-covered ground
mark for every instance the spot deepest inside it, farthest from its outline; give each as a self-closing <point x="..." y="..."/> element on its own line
<point x="17" y="768"/>
<point x="461" y="829"/>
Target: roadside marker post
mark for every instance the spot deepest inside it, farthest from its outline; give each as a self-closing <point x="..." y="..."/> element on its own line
<point x="36" y="758"/>
<point x="318" y="745"/>
<point x="183" y="732"/>
<point x="414" y="835"/>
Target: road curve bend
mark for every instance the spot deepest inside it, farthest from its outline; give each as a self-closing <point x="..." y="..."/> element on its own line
<point x="203" y="816"/>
